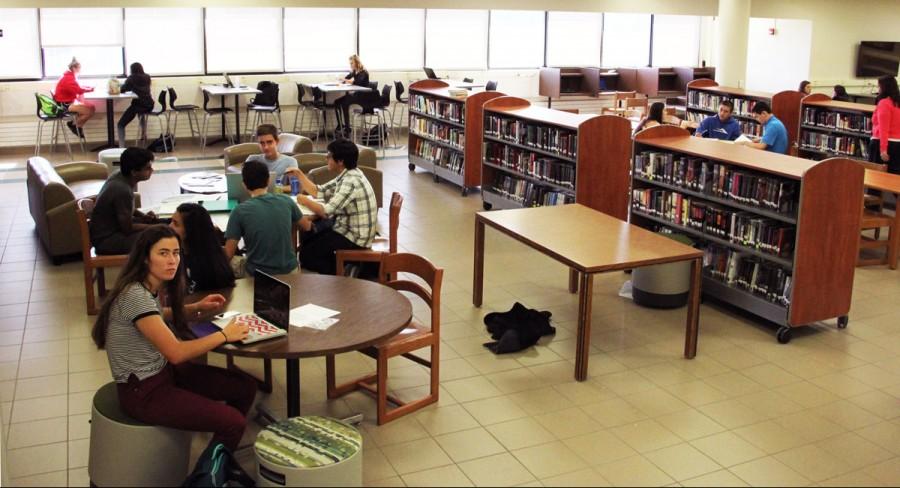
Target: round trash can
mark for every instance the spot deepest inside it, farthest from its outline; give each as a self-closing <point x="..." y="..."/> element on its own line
<point x="111" y="156"/>
<point x="663" y="285"/>
<point x="309" y="451"/>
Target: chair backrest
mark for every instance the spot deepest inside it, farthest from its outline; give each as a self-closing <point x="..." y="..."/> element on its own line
<point x="162" y="101"/>
<point x="398" y="90"/>
<point x="205" y="100"/>
<point x="83" y="208"/>
<point x="490" y="86"/>
<point x="373" y="85"/>
<point x="287" y="142"/>
<point x="385" y="96"/>
<point x="269" y="95"/>
<point x="620" y="96"/>
<point x="468" y="80"/>
<point x="318" y="96"/>
<point x="393" y="264"/>
<point x="172" y="97"/>
<point x="47" y="107"/>
<point x="300" y="92"/>
<point x="635" y="102"/>
<point x="394" y="220"/>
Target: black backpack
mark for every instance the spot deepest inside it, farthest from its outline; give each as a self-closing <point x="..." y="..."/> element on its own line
<point x="269" y="95"/>
<point x="157" y="144"/>
<point x="370" y="138"/>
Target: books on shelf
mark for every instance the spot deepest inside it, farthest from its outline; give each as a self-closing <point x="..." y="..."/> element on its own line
<point x="861" y="123"/>
<point x="443" y="109"/>
<point x="552" y="139"/>
<point x="439" y="155"/>
<point x="451" y="135"/>
<point x="534" y="165"/>
<point x="709" y="101"/>
<point x="836" y="144"/>
<point x="760" y="277"/>
<point x="529" y="194"/>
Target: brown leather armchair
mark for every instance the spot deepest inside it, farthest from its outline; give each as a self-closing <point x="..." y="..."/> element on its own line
<point x="52" y="193"/>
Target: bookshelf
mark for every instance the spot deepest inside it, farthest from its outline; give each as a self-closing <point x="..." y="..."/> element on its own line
<point x="703" y="98"/>
<point x="445" y="132"/>
<point x="829" y="128"/>
<point x="535" y="156"/>
<point x="780" y="234"/>
<point x="584" y="82"/>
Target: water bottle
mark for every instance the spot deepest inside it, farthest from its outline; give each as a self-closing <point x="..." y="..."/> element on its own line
<point x="278" y="188"/>
<point x="295" y="186"/>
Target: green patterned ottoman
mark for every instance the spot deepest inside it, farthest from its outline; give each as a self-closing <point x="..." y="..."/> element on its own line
<point x="309" y="451"/>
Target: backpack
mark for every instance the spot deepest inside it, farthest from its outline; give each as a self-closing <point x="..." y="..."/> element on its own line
<point x="217" y="467"/>
<point x="268" y="96"/>
<point x="370" y="138"/>
<point x="157" y="144"/>
<point x="49" y="106"/>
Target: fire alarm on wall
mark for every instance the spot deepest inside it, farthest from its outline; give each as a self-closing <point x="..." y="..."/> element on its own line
<point x="772" y="31"/>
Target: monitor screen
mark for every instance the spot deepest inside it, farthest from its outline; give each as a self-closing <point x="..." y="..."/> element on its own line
<point x="877" y="58"/>
<point x="272" y="300"/>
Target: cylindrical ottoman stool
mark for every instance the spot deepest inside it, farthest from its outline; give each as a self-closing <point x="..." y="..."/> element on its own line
<point x="127" y="452"/>
<point x="309" y="451"/>
<point x="110" y="156"/>
<point x="663" y="285"/>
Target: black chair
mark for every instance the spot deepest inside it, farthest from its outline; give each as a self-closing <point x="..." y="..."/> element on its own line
<point x="160" y="115"/>
<point x="56" y="121"/>
<point x="264" y="104"/>
<point x="468" y="80"/>
<point x="211" y="112"/>
<point x="309" y="98"/>
<point x="189" y="110"/>
<point x="402" y="102"/>
<point x="380" y="111"/>
<point x="491" y="86"/>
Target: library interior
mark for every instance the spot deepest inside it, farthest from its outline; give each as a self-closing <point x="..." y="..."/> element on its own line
<point x="471" y="243"/>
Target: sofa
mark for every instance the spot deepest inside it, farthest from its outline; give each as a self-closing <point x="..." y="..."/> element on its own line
<point x="52" y="193"/>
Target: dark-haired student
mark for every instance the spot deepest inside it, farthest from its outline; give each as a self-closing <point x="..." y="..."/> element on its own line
<point x="115" y="223"/>
<point x="805" y="87"/>
<point x="137" y="82"/>
<point x="156" y="381"/>
<point x="840" y="94"/>
<point x="267" y="222"/>
<point x="654" y="117"/>
<point x="884" y="147"/>
<point x="202" y="254"/>
<point x="267" y="138"/>
<point x="721" y="126"/>
<point x="774" y="134"/>
<point x="349" y="202"/>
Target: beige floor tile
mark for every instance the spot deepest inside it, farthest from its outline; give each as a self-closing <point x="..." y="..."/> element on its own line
<point x="497" y="470"/>
<point x="469" y="389"/>
<point x="568" y="423"/>
<point x="615" y="412"/>
<point x="884" y="434"/>
<point x="807" y="394"/>
<point x="696" y="393"/>
<point x="38" y="432"/>
<point x="78" y="453"/>
<point x="886" y="472"/>
<point x="770" y="375"/>
<point x="585" y="477"/>
<point x="375" y="464"/>
<point x="771" y="402"/>
<point x="543" y="400"/>
<point x="813" y="462"/>
<point x="633" y="471"/>
<point x="768" y="471"/>
<point x="8" y="370"/>
<point x="841" y="384"/>
<point x="847" y="415"/>
<point x="599" y="448"/>
<point x="727" y="449"/>
<point x="521" y="433"/>
<point x="857" y="478"/>
<point x="625" y="383"/>
<point x="717" y="478"/>
<point x="404" y="429"/>
<point x="646" y="435"/>
<point x="32" y="368"/>
<point x="689" y="424"/>
<point x="583" y="393"/>
<point x="79" y="426"/>
<point x="79" y="477"/>
<point x="515" y="380"/>
<point x="733" y="383"/>
<point x="444" y="420"/>
<point x="415" y="456"/>
<point x="45" y="349"/>
<point x="392" y="481"/>
<point x="491" y="363"/>
<point x="443" y="476"/>
<point x="732" y="413"/>
<point x="56" y="478"/>
<point x="35" y="460"/>
<point x="879" y="403"/>
<point x="80" y="403"/>
<point x="469" y="444"/>
<point x="682" y="462"/>
<point x="548" y="460"/>
<point x="39" y="408"/>
<point x="854" y="450"/>
<point x="494" y="410"/>
<point x="41" y="386"/>
<point x="664" y="374"/>
<point x="874" y="376"/>
<point x="770" y="437"/>
<point x="810" y="426"/>
<point x="454" y="369"/>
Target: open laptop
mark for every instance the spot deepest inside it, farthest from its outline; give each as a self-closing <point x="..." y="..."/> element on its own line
<point x="430" y="73"/>
<point x="271" y="312"/>
<point x="234" y="182"/>
<point x="228" y="83"/>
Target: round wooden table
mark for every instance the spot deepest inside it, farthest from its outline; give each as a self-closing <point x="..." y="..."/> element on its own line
<point x="369" y="313"/>
<point x="204" y="182"/>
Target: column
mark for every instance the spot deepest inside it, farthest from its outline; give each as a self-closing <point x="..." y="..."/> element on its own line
<point x="732" y="29"/>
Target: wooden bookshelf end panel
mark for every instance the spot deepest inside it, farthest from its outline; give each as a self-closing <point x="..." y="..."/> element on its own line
<point x="474" y="131"/>
<point x="786" y="106"/>
<point x="831" y="198"/>
<point x="604" y="161"/>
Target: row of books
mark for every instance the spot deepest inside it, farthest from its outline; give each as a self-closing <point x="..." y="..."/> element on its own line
<point x="444" y="109"/>
<point x="534" y="165"/>
<point x="838" y="120"/>
<point x="439" y="155"/>
<point x="553" y="139"/>
<point x="744" y="228"/>
<point x="758" y="276"/>
<point x="852" y="146"/>
<point x="529" y="194"/>
<point x="709" y="101"/>
<point x="444" y="133"/>
<point x="718" y="179"/>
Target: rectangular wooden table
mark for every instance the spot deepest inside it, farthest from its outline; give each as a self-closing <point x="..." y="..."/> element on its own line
<point x="589" y="242"/>
<point x="888" y="182"/>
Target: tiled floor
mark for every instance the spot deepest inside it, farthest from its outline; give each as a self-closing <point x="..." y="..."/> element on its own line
<point x="824" y="409"/>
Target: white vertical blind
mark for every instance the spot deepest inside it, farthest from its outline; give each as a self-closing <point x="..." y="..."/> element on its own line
<point x="318" y="38"/>
<point x="516" y="39"/>
<point x="626" y="40"/>
<point x="573" y="38"/>
<point x="242" y="40"/>
<point x="456" y="39"/>
<point x="166" y="41"/>
<point x="97" y="42"/>
<point x="676" y="40"/>
<point x="20" y="47"/>
<point x="392" y="39"/>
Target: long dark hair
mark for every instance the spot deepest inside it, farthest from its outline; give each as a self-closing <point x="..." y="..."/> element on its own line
<point x="840" y="94"/>
<point x="204" y="255"/>
<point x="137" y="69"/>
<point x="887" y="88"/>
<point x="136" y="271"/>
<point x="803" y="85"/>
<point x="654" y="113"/>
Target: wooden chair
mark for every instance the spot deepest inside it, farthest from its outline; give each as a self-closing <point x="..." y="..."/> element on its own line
<point x="94" y="265"/>
<point x="415" y="336"/>
<point x="393" y="225"/>
<point x="635" y="104"/>
<point x="874" y="218"/>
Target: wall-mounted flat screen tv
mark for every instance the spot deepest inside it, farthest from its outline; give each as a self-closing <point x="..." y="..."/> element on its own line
<point x="877" y="58"/>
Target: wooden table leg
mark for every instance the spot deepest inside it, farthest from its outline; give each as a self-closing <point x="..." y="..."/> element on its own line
<point x="573" y="280"/>
<point x="582" y="351"/>
<point x="894" y="239"/>
<point x="692" y="327"/>
<point x="293" y="387"/>
<point x="478" y="275"/>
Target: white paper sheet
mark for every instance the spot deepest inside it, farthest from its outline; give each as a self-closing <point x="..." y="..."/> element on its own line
<point x="314" y="316"/>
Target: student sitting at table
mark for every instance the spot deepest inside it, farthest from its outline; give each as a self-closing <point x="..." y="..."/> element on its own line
<point x="69" y="93"/>
<point x="138" y="83"/>
<point x="349" y="201"/>
<point x="358" y="76"/>
<point x="720" y="126"/>
<point x="205" y="263"/>
<point x="267" y="223"/>
<point x="774" y="136"/>
<point x="840" y="94"/>
<point x="115" y="223"/>
<point x="267" y="137"/>
<point x="150" y="363"/>
<point x="654" y="117"/>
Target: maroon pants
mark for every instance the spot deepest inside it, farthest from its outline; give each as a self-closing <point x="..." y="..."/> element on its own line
<point x="188" y="397"/>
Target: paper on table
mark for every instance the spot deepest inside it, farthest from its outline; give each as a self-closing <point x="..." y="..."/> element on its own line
<point x="306" y="210"/>
<point x="311" y="315"/>
<point x="743" y="138"/>
<point x="170" y="204"/>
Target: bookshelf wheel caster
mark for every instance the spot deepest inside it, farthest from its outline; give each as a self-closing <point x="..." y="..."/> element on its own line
<point x="783" y="335"/>
<point x="465" y="192"/>
<point x="843" y="320"/>
<point x="412" y="167"/>
<point x="437" y="179"/>
<point x="486" y="205"/>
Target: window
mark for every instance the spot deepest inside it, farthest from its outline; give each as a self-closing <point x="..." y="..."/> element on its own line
<point x="626" y="40"/>
<point x="517" y="39"/>
<point x="318" y="38"/>
<point x="573" y="38"/>
<point x="456" y="39"/>
<point x="392" y="38"/>
<point x="676" y="40"/>
<point x="244" y="40"/>
<point x="20" y="45"/>
<point x="155" y="47"/>
<point x="98" y="44"/>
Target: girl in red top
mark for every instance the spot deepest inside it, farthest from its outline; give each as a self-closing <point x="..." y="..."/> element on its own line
<point x="69" y="92"/>
<point x="885" y="144"/>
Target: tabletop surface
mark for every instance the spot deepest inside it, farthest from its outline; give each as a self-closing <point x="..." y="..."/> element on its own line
<point x="203" y="182"/>
<point x="585" y="239"/>
<point x="369" y="313"/>
<point x="103" y="94"/>
<point x="880" y="180"/>
<point x="340" y="87"/>
<point x="222" y="90"/>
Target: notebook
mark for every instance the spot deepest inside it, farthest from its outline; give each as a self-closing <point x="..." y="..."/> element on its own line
<point x="271" y="312"/>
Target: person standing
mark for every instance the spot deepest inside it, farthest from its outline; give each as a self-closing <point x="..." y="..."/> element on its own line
<point x="774" y="134"/>
<point x="137" y="82"/>
<point x="69" y="93"/>
<point x="721" y="126"/>
<point x="884" y="147"/>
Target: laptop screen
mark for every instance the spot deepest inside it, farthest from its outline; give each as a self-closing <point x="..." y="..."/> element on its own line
<point x="272" y="300"/>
